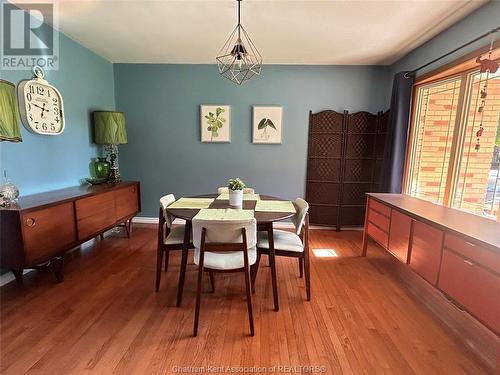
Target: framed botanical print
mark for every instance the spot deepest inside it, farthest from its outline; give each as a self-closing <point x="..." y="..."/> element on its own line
<point x="267" y="124"/>
<point x="215" y="123"/>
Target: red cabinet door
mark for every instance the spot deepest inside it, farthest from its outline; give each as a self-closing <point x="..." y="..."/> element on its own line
<point x="426" y="249"/>
<point x="474" y="287"/>
<point x="399" y="238"/>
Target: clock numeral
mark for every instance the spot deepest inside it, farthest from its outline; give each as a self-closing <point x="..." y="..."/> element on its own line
<point x="44" y="126"/>
<point x="29" y="107"/>
<point x="48" y="93"/>
<point x="52" y="127"/>
<point x="31" y="117"/>
<point x="56" y="119"/>
<point x="29" y="97"/>
<point x="55" y="101"/>
<point x="56" y="111"/>
<point x="32" y="89"/>
<point x="40" y="90"/>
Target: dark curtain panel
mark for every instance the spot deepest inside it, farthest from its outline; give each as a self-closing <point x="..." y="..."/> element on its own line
<point x="397" y="134"/>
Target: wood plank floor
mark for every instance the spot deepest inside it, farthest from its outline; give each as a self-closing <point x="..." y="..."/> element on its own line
<point x="105" y="318"/>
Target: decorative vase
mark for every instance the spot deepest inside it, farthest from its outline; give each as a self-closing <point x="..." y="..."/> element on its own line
<point x="99" y="168"/>
<point x="9" y="193"/>
<point x="236" y="198"/>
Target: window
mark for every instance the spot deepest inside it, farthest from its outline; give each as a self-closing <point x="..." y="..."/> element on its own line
<point x="446" y="163"/>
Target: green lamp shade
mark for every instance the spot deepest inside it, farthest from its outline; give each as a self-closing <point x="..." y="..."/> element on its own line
<point x="109" y="128"/>
<point x="9" y="113"/>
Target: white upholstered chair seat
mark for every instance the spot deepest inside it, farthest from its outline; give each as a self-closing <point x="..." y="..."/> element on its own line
<point x="283" y="240"/>
<point x="225" y="260"/>
<point x="176" y="235"/>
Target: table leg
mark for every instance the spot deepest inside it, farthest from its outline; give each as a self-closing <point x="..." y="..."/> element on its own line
<point x="185" y="250"/>
<point x="272" y="263"/>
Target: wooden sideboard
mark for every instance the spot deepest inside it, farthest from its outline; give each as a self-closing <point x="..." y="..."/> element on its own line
<point x="42" y="227"/>
<point x="457" y="253"/>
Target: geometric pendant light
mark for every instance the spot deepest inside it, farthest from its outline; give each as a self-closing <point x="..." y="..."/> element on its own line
<point x="238" y="60"/>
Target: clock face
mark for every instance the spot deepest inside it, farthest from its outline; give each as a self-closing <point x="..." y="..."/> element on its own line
<point x="43" y="108"/>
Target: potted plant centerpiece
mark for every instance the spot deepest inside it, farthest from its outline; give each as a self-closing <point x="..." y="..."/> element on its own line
<point x="235" y="187"/>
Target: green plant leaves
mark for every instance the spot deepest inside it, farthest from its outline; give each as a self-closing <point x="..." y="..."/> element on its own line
<point x="264" y="123"/>
<point x="215" y="121"/>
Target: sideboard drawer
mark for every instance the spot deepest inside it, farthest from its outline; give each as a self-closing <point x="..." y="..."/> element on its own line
<point x="377" y="234"/>
<point x="48" y="231"/>
<point x="95" y="214"/>
<point x="384" y="210"/>
<point x="426" y="251"/>
<point x="472" y="286"/>
<point x="399" y="239"/>
<point x="379" y="220"/>
<point x="473" y="251"/>
<point x="126" y="201"/>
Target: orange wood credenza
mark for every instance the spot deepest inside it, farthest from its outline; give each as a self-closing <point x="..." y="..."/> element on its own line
<point x="458" y="256"/>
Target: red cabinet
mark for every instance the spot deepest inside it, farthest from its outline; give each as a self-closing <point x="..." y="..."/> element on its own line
<point x="399" y="239"/>
<point x="472" y="286"/>
<point x="425" y="256"/>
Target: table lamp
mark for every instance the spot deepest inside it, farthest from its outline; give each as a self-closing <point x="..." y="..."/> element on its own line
<point x="109" y="130"/>
<point x="9" y="131"/>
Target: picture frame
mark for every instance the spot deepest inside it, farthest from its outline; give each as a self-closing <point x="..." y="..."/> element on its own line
<point x="215" y="123"/>
<point x="267" y="126"/>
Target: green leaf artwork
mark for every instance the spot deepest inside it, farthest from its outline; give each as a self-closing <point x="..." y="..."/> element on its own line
<point x="215" y="122"/>
<point x="264" y="124"/>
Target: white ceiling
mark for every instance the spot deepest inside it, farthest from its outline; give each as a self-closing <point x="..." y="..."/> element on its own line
<point x="284" y="31"/>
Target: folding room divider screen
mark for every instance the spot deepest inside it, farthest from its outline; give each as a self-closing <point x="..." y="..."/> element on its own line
<point x="345" y="154"/>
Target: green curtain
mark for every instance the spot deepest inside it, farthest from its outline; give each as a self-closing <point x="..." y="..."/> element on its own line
<point x="109" y="128"/>
<point x="9" y="113"/>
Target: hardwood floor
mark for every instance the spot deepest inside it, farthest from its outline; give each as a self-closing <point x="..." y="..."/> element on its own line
<point x="105" y="318"/>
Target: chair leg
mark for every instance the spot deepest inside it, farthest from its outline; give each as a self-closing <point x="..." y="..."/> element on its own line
<point x="159" y="258"/>
<point x="301" y="267"/>
<point x="167" y="256"/>
<point x="308" y="275"/>
<point x="249" y="300"/>
<point x="212" y="280"/>
<point x="198" y="301"/>
<point x="255" y="269"/>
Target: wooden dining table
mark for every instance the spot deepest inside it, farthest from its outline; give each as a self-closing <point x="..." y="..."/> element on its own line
<point x="264" y="220"/>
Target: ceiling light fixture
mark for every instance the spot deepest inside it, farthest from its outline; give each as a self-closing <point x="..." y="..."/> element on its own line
<point x="238" y="60"/>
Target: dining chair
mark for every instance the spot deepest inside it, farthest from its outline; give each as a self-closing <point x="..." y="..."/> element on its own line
<point x="290" y="244"/>
<point x="224" y="246"/>
<point x="225" y="190"/>
<point x="170" y="237"/>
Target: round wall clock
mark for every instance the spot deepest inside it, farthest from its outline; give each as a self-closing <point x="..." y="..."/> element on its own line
<point x="40" y="105"/>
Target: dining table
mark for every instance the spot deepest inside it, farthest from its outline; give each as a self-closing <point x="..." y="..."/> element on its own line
<point x="265" y="220"/>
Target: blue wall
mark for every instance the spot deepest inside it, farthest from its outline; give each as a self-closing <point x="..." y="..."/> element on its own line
<point x="42" y="163"/>
<point x="161" y="104"/>
<point x="479" y="22"/>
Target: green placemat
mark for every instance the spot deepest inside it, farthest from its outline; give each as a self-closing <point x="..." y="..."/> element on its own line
<point x="224" y="214"/>
<point x="194" y="203"/>
<point x="275" y="206"/>
<point x="246" y="197"/>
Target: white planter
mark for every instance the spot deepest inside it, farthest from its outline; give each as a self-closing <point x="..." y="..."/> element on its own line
<point x="236" y="198"/>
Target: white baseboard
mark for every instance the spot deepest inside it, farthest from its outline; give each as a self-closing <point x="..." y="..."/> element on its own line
<point x="279" y="224"/>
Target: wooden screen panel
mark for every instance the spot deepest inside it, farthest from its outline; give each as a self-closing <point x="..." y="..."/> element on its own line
<point x="325" y="150"/>
<point x="344" y="154"/>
